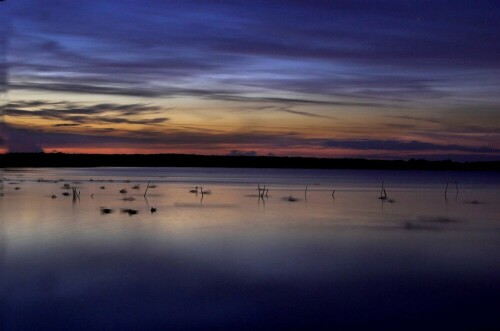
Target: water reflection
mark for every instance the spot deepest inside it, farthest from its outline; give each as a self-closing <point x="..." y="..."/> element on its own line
<point x="235" y="259"/>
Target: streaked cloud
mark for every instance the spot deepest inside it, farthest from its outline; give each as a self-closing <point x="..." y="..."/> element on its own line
<point x="250" y="143"/>
<point x="406" y="76"/>
<point x="84" y="114"/>
<point x="395" y="145"/>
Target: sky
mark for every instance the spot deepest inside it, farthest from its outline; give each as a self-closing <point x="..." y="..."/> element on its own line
<point x="386" y="79"/>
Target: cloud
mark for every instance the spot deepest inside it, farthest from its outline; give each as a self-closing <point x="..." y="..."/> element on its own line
<point x="416" y="119"/>
<point x="395" y="145"/>
<point x="65" y="125"/>
<point x="151" y="139"/>
<point x="249" y="142"/>
<point x="83" y="113"/>
<point x="301" y="113"/>
<point x="357" y="56"/>
<point x="393" y="50"/>
<point x="214" y="94"/>
<point x="400" y="126"/>
<point x="292" y="101"/>
<point x="89" y="89"/>
<point x="281" y="109"/>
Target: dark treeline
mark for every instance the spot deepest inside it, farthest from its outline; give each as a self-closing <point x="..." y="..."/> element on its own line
<point x="186" y="160"/>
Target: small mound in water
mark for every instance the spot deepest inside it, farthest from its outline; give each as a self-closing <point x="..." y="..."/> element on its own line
<point x="106" y="210"/>
<point x="130" y="211"/>
<point x="290" y="198"/>
<point x="436" y="223"/>
<point x="438" y="220"/>
<point x="474" y="202"/>
<point x="415" y="226"/>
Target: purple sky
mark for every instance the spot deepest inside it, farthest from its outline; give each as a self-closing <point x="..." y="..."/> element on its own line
<point x="377" y="79"/>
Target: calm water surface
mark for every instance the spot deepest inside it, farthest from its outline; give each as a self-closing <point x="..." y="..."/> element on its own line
<point x="231" y="260"/>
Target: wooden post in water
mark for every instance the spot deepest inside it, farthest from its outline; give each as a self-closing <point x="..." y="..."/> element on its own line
<point x="76" y="194"/>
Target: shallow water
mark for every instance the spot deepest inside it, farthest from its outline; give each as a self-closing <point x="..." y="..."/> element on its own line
<point x="232" y="260"/>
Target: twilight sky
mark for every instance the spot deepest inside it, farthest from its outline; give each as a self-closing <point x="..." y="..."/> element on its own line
<point x="346" y="78"/>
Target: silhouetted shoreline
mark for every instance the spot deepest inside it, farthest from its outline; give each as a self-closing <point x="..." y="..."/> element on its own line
<point x="36" y="160"/>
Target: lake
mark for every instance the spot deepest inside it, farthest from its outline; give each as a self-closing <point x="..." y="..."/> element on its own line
<point x="231" y="259"/>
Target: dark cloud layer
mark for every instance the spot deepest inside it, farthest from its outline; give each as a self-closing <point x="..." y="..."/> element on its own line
<point x="209" y="94"/>
<point x="375" y="144"/>
<point x="77" y="114"/>
<point x="36" y="139"/>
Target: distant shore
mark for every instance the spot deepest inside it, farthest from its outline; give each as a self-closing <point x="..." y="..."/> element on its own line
<point x="36" y="160"/>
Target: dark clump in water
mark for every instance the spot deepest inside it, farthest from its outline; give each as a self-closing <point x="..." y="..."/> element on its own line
<point x="130" y="211"/>
<point x="106" y="210"/>
<point x="438" y="219"/>
<point x="474" y="202"/>
<point x="430" y="223"/>
<point x="416" y="226"/>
